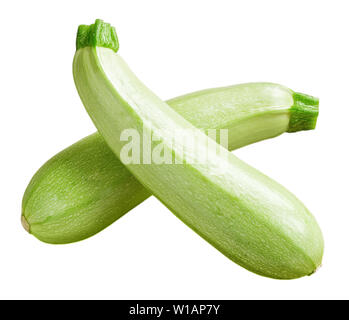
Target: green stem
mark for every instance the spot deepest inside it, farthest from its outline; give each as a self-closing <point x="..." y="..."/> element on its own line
<point x="99" y="34"/>
<point x="304" y="112"/>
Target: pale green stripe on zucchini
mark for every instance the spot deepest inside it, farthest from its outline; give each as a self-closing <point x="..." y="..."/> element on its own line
<point x="246" y="215"/>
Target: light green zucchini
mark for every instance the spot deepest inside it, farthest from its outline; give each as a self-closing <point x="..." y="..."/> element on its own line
<point x="246" y="215"/>
<point x="85" y="188"/>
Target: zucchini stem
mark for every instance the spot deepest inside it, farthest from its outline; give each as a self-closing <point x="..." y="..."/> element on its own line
<point x="99" y="34"/>
<point x="304" y="112"/>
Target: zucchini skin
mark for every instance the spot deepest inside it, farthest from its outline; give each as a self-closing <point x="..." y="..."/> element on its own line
<point x="85" y="188"/>
<point x="79" y="192"/>
<point x="249" y="217"/>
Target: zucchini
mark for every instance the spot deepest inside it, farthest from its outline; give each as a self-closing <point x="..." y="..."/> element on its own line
<point x="247" y="216"/>
<point x="85" y="188"/>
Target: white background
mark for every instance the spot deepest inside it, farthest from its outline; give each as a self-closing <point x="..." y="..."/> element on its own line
<point x="174" y="47"/>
